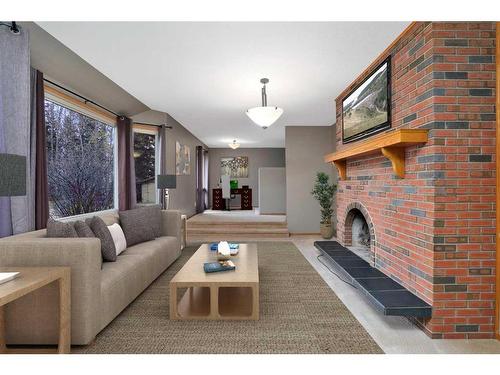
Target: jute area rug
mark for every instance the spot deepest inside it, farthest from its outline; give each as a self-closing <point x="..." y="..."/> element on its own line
<point x="299" y="313"/>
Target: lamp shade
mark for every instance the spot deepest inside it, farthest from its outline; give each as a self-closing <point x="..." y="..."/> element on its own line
<point x="166" y="181"/>
<point x="264" y="116"/>
<point x="12" y="175"/>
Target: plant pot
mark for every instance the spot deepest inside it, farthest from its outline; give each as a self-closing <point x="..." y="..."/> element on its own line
<point x="326" y="231"/>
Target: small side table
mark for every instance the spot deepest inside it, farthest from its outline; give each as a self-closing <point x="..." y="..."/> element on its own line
<point x="29" y="280"/>
<point x="184" y="231"/>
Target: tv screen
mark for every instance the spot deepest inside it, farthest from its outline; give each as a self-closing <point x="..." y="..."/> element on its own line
<point x="366" y="110"/>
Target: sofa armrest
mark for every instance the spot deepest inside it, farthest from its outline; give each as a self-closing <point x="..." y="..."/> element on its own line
<point x="171" y="223"/>
<point x="83" y="256"/>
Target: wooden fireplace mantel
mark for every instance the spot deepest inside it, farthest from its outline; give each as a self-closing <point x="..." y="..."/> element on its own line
<point x="391" y="144"/>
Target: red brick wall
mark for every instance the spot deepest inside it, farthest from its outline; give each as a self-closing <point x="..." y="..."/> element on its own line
<point x="435" y="229"/>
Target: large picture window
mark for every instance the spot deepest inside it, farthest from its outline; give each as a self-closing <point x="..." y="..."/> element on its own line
<point x="145" y="170"/>
<point x="80" y="158"/>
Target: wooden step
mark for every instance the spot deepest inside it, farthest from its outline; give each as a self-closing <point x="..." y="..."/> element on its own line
<point x="236" y="230"/>
<point x="256" y="225"/>
<point x="225" y="228"/>
<point x="214" y="237"/>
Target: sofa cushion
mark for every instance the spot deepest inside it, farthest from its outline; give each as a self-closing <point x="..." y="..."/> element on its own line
<point x="83" y="229"/>
<point x="110" y="218"/>
<point x="58" y="229"/>
<point x="118" y="238"/>
<point x="161" y="251"/>
<point x="155" y="218"/>
<point x="101" y="231"/>
<point x="141" y="224"/>
<point x="134" y="270"/>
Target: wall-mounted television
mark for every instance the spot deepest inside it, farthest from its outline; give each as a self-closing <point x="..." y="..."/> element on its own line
<point x="367" y="109"/>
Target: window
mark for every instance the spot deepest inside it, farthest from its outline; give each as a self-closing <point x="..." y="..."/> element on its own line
<point x="80" y="161"/>
<point x="145" y="171"/>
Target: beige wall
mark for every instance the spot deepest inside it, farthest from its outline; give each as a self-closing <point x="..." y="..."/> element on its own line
<point x="305" y="149"/>
<point x="184" y="196"/>
<point x="257" y="158"/>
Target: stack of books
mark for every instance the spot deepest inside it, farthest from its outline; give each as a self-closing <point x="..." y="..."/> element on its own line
<point x="226" y="265"/>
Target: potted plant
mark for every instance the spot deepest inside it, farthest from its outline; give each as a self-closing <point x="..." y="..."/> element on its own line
<point x="323" y="192"/>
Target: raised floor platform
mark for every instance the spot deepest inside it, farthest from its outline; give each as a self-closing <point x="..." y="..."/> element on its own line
<point x="235" y="225"/>
<point x="386" y="294"/>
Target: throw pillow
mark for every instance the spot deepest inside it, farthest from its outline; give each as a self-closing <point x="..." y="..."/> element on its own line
<point x="118" y="238"/>
<point x="101" y="231"/>
<point x="138" y="225"/>
<point x="60" y="229"/>
<point x="154" y="216"/>
<point x="83" y="229"/>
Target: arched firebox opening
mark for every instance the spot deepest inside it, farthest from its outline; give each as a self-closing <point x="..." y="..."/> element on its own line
<point x="359" y="234"/>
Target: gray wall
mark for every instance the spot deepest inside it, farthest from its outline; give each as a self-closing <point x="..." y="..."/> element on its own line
<point x="257" y="158"/>
<point x="305" y="148"/>
<point x="272" y="190"/>
<point x="62" y="65"/>
<point x="184" y="196"/>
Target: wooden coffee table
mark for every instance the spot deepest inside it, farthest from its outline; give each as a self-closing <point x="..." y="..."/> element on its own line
<point x="228" y="295"/>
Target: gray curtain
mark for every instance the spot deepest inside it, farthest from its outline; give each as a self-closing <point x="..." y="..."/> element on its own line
<point x="16" y="213"/>
<point x="205" y="179"/>
<point x="126" y="168"/>
<point x="162" y="157"/>
<point x="31" y="159"/>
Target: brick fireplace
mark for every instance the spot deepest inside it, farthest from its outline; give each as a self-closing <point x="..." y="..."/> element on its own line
<point x="434" y="230"/>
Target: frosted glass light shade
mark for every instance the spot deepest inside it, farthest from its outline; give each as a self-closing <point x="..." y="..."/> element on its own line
<point x="234" y="145"/>
<point x="264" y="116"/>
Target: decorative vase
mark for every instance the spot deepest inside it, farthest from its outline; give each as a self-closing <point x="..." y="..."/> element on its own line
<point x="326" y="230"/>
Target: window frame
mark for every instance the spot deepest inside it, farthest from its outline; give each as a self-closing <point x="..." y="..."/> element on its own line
<point x="151" y="130"/>
<point x="69" y="102"/>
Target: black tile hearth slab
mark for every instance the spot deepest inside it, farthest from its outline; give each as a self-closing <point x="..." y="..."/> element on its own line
<point x="366" y="272"/>
<point x="383" y="292"/>
<point x="401" y="303"/>
<point x="351" y="262"/>
<point x="329" y="245"/>
<point x="340" y="253"/>
<point x="379" y="284"/>
<point x="398" y="298"/>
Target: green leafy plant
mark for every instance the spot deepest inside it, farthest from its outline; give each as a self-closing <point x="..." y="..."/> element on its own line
<point x="323" y="192"/>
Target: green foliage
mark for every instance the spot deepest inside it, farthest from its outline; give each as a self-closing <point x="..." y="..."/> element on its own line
<point x="144" y="157"/>
<point x="323" y="192"/>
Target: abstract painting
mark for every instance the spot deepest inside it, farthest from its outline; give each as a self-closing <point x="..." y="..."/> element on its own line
<point x="236" y="166"/>
<point x="182" y="159"/>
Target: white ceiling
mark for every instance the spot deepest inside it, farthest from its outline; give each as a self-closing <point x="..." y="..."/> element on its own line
<point x="207" y="74"/>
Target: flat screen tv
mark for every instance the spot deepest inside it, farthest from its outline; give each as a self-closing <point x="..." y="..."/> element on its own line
<point x="367" y="109"/>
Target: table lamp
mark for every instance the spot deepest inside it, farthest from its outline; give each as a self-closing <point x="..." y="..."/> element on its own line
<point x="165" y="182"/>
<point x="13" y="175"/>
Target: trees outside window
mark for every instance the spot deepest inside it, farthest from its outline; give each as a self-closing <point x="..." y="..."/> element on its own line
<point x="144" y="158"/>
<point x="80" y="161"/>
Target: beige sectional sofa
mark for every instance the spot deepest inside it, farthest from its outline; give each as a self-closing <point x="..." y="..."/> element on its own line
<point x="98" y="294"/>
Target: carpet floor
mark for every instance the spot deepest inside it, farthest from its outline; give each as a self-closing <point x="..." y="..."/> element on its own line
<point x="299" y="313"/>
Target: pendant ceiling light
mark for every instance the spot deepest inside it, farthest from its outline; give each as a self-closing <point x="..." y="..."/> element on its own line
<point x="264" y="116"/>
<point x="234" y="145"/>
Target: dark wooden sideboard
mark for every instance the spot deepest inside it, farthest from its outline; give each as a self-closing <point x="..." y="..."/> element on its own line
<point x="218" y="203"/>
